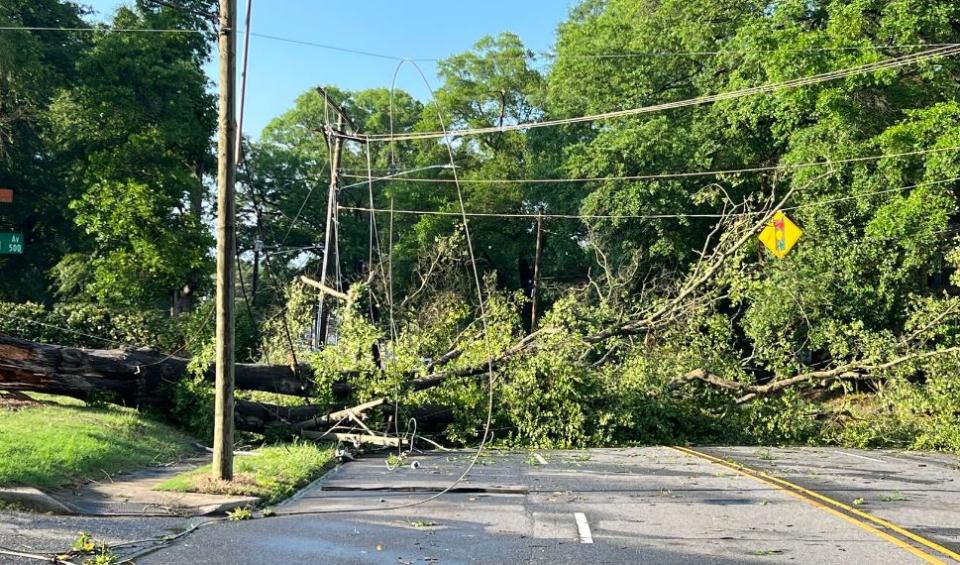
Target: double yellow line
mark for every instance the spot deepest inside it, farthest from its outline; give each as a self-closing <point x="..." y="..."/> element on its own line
<point x="846" y="512"/>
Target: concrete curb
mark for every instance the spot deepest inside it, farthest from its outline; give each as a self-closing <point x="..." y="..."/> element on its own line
<point x="224" y="507"/>
<point x="36" y="499"/>
<point x="303" y="491"/>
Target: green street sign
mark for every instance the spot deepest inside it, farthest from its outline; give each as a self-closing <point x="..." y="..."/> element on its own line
<point x="11" y="243"/>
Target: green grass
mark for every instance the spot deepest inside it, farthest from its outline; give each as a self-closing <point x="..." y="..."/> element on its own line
<point x="64" y="441"/>
<point x="273" y="475"/>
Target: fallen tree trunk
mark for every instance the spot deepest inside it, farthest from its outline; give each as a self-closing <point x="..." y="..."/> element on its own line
<point x="133" y="377"/>
<point x="140" y="378"/>
<point x="257" y="417"/>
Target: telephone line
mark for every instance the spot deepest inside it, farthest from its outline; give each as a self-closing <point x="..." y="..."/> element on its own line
<point x="101" y="29"/>
<point x="700" y="100"/>
<point x="638" y="216"/>
<point x="684" y="174"/>
<point x="526" y="55"/>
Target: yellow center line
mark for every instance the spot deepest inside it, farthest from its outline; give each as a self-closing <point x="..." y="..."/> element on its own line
<point x="811" y="498"/>
<point x="865" y="515"/>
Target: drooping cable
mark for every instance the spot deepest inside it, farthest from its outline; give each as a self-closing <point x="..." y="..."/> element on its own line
<point x="375" y="245"/>
<point x="891" y="63"/>
<point x="400" y="177"/>
<point x="677" y="215"/>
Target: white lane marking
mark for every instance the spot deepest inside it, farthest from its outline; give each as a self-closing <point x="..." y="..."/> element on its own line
<point x="583" y="527"/>
<point x="539" y="459"/>
<point x="859" y="456"/>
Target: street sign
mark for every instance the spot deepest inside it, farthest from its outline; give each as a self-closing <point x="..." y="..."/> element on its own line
<point x="780" y="235"/>
<point x="6" y="196"/>
<point x="11" y="243"/>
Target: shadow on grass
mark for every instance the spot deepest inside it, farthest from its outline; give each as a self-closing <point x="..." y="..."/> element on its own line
<point x="61" y="442"/>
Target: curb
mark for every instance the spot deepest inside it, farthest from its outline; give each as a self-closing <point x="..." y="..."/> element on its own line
<point x="303" y="491"/>
<point x="36" y="499"/>
<point x="224" y="507"/>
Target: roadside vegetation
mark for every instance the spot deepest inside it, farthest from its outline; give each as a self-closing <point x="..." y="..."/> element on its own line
<point x="272" y="473"/>
<point x="60" y="441"/>
<point x="659" y="316"/>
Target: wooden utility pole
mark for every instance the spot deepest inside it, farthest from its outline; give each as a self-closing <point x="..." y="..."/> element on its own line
<point x="536" y="274"/>
<point x="226" y="240"/>
<point x="328" y="245"/>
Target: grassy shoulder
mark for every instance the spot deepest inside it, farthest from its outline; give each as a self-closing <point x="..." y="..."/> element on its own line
<point x="273" y="474"/>
<point x="62" y="440"/>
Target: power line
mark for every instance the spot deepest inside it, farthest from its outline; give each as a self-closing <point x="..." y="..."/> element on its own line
<point x="86" y="335"/>
<point x="654" y="176"/>
<point x="524" y="55"/>
<point x="100" y="29"/>
<point x="607" y="55"/>
<point x="328" y="47"/>
<point x="640" y="216"/>
<point x="300" y="210"/>
<point x="642" y="54"/>
<point x="700" y="100"/>
<point x="396" y="175"/>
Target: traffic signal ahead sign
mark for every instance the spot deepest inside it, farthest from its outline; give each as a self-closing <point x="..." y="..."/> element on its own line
<point x="6" y="196"/>
<point x="11" y="243"/>
<point x="780" y="235"/>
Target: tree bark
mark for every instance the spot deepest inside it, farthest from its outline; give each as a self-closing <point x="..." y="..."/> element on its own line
<point x="133" y="377"/>
<point x="258" y="416"/>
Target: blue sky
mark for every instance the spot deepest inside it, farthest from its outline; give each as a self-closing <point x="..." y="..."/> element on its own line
<point x="412" y="28"/>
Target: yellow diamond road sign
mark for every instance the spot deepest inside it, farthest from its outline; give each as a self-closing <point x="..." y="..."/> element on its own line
<point x="780" y="235"/>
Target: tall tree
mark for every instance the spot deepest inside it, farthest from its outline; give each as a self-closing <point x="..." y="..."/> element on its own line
<point x="34" y="65"/>
<point x="137" y="130"/>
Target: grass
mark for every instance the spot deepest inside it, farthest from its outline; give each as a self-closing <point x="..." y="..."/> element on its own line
<point x="64" y="440"/>
<point x="239" y="514"/>
<point x="273" y="475"/>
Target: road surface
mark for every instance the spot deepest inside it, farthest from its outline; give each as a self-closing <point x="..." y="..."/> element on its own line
<point x="633" y="505"/>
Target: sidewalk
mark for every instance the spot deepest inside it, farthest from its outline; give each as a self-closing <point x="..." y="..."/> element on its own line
<point x="129" y="494"/>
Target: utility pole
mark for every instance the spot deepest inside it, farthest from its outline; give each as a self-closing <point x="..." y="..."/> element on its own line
<point x="536" y="273"/>
<point x="328" y="234"/>
<point x="226" y="240"/>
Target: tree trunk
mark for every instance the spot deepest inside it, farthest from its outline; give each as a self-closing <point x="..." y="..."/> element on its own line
<point x="258" y="416"/>
<point x="133" y="377"/>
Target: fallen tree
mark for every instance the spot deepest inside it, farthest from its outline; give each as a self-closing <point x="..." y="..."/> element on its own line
<point x="141" y="377"/>
<point x="133" y="377"/>
<point x="735" y="230"/>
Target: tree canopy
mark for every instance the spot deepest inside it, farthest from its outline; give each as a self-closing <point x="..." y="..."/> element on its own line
<point x="662" y="316"/>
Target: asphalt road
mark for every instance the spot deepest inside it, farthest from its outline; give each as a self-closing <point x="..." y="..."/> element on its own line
<point x="636" y="505"/>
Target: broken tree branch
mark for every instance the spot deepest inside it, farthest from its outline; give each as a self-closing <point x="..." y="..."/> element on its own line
<point x="847" y="371"/>
<point x="324" y="288"/>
